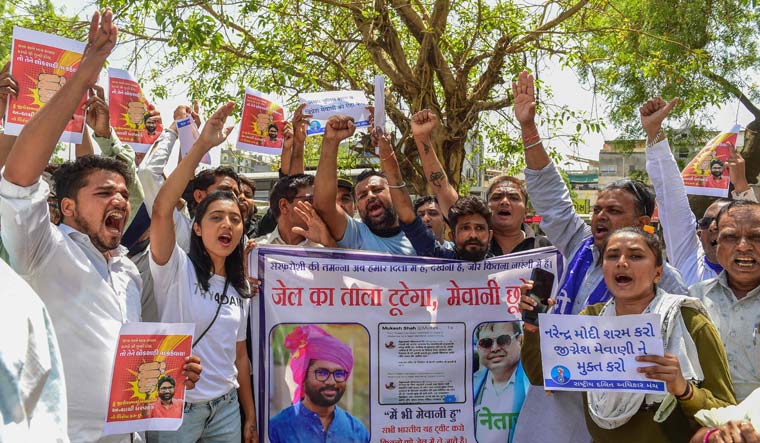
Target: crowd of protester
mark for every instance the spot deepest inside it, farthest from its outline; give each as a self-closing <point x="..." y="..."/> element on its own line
<point x="102" y="240"/>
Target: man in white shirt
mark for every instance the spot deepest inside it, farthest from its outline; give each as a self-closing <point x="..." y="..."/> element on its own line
<point x="33" y="394"/>
<point x="89" y="287"/>
<point x="733" y="298"/>
<point x="692" y="252"/>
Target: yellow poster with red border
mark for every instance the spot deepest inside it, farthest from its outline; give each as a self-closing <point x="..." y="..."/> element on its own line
<point x="261" y="124"/>
<point x="41" y="64"/>
<point x="128" y="109"/>
<point x="147" y="385"/>
<point x="706" y="173"/>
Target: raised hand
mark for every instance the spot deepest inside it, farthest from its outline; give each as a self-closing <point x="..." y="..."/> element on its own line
<point x="338" y="128"/>
<point x="653" y="113"/>
<point x="524" y="99"/>
<point x="287" y="136"/>
<point x="100" y="43"/>
<point x="214" y="133"/>
<point x="316" y="229"/>
<point x="383" y="142"/>
<point x="423" y="123"/>
<point x="301" y="123"/>
<point x="97" y="112"/>
<point x="183" y="111"/>
<point x="736" y="169"/>
<point x="8" y="87"/>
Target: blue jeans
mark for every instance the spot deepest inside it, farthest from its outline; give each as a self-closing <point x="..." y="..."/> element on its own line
<point x="215" y="421"/>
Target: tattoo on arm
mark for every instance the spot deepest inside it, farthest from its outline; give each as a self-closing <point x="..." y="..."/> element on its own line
<point x="436" y="177"/>
<point x="426" y="146"/>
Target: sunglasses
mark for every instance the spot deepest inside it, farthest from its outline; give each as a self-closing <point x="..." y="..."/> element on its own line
<point x="705" y="222"/>
<point x="502" y="340"/>
<point x="339" y="375"/>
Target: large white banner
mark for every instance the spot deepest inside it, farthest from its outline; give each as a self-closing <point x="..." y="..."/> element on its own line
<point x="426" y="336"/>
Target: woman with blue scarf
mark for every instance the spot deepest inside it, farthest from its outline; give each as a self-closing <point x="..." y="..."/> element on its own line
<point x="694" y="367"/>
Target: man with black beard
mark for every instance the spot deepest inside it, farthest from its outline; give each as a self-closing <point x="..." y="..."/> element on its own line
<point x="165" y="406"/>
<point x="379" y="230"/>
<point x="321" y="365"/>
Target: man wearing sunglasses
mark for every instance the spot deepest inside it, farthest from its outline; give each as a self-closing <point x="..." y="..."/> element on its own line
<point x="321" y="365"/>
<point x="499" y="385"/>
<point x="692" y="252"/>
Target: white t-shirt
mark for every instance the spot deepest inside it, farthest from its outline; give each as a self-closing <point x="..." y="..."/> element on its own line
<point x="181" y="299"/>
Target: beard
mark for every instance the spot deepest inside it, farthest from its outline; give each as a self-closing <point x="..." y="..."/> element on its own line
<point x="316" y="397"/>
<point x="383" y="224"/>
<point x="166" y="397"/>
<point x="473" y="255"/>
<point x="717" y="174"/>
<point x="100" y="243"/>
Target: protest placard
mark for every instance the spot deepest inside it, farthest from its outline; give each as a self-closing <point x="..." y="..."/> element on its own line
<point x="261" y="124"/>
<point x="411" y="326"/>
<point x="379" y="105"/>
<point x="323" y="105"/>
<point x="187" y="133"/>
<point x="586" y="353"/>
<point x="128" y="109"/>
<point x="147" y="386"/>
<point x="42" y="63"/>
<point x="706" y="173"/>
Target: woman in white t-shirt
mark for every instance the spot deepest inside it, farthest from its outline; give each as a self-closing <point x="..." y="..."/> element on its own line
<point x="206" y="286"/>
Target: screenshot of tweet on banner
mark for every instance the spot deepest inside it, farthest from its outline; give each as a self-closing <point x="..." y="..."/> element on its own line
<point x="421" y="363"/>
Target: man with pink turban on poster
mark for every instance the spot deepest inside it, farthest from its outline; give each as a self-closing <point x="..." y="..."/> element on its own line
<point x="321" y="365"/>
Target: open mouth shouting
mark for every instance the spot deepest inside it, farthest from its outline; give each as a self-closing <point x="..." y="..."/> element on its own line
<point x="375" y="208"/>
<point x="114" y="222"/>
<point x="225" y="239"/>
<point x="745" y="262"/>
<point x="503" y="213"/>
<point x="601" y="231"/>
<point x="623" y="280"/>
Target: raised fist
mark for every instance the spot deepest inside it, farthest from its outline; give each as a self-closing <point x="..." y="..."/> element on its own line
<point x="136" y="111"/>
<point x="48" y="85"/>
<point x="148" y="374"/>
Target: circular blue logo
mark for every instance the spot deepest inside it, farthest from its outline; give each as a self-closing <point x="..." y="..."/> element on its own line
<point x="560" y="375"/>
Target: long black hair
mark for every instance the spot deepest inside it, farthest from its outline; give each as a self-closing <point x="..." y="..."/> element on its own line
<point x="233" y="264"/>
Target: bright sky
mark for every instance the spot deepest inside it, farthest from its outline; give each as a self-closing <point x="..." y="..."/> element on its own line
<point x="565" y="84"/>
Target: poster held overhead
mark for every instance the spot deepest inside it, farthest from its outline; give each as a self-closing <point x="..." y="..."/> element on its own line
<point x="323" y="105"/>
<point x="128" y="109"/>
<point x="706" y="173"/>
<point x="261" y="124"/>
<point x="188" y="133"/>
<point x="42" y="63"/>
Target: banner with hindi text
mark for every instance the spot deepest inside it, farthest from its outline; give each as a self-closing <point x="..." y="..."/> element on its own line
<point x="425" y="335"/>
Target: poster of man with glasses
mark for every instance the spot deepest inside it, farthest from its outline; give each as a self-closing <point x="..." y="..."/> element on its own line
<point x="320" y="366"/>
<point x="499" y="383"/>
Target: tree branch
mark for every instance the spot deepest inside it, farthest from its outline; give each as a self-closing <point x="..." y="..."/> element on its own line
<point x="734" y="90"/>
